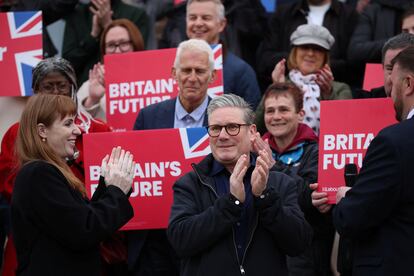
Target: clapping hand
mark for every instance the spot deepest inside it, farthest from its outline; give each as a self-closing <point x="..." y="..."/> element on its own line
<point x="260" y="173"/>
<point x="324" y="79"/>
<point x="96" y="85"/>
<point x="102" y="16"/>
<point x="118" y="169"/>
<point x="258" y="144"/>
<point x="236" y="178"/>
<point x="278" y="73"/>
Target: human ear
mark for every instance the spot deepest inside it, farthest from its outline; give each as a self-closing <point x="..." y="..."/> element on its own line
<point x="42" y="130"/>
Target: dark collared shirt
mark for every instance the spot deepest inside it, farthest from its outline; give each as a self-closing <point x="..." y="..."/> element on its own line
<point x="222" y="185"/>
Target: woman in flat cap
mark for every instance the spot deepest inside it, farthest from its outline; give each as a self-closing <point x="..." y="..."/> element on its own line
<point x="308" y="67"/>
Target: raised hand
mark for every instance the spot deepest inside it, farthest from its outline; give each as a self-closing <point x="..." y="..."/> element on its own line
<point x="260" y="173"/>
<point x="119" y="169"/>
<point x="278" y="73"/>
<point x="102" y="16"/>
<point x="319" y="199"/>
<point x="96" y="85"/>
<point x="236" y="178"/>
<point x="258" y="144"/>
<point x="324" y="79"/>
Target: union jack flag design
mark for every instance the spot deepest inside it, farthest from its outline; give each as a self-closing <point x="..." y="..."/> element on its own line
<point x="216" y="88"/>
<point x="195" y="142"/>
<point x="20" y="51"/>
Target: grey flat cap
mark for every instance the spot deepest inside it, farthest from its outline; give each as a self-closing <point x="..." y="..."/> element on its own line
<point x="312" y="34"/>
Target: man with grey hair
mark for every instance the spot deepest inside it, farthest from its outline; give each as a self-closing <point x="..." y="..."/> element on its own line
<point x="231" y="215"/>
<point x="193" y="70"/>
<point x="205" y="19"/>
<point x="391" y="48"/>
<point x="149" y="252"/>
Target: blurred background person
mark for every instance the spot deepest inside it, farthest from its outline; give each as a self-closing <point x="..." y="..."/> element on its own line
<point x="391" y="48"/>
<point x="379" y="21"/>
<point x="120" y="36"/>
<point x="339" y="18"/>
<point x="308" y="68"/>
<point x="55" y="227"/>
<point x="407" y="25"/>
<point x="51" y="76"/>
<point x="85" y="25"/>
<point x="294" y="147"/>
<point x="205" y="19"/>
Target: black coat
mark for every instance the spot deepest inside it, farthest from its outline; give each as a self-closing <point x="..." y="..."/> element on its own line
<point x="377" y="214"/>
<point x="201" y="226"/>
<point x="57" y="231"/>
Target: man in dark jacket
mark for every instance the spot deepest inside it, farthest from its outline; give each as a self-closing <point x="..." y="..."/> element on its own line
<point x="377" y="213"/>
<point x="230" y="215"/>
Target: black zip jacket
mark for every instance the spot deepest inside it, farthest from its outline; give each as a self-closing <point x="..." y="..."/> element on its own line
<point x="201" y="226"/>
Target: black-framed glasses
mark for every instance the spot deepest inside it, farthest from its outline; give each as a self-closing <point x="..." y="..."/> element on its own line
<point x="122" y="45"/>
<point x="231" y="129"/>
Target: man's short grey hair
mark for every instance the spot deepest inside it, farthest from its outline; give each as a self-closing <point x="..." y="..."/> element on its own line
<point x="219" y="5"/>
<point x="231" y="100"/>
<point x="400" y="41"/>
<point x="197" y="45"/>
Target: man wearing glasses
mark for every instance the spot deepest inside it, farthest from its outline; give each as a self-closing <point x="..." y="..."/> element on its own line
<point x="231" y="215"/>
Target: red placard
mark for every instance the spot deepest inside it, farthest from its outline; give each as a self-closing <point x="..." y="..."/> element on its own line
<point x="162" y="157"/>
<point x="347" y="129"/>
<point x="136" y="80"/>
<point x="20" y="51"/>
<point x="374" y="76"/>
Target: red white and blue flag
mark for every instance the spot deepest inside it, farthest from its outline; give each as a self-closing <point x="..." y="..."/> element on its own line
<point x="20" y="51"/>
<point x="195" y="142"/>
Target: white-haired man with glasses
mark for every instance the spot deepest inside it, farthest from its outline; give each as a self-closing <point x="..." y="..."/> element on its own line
<point x="232" y="215"/>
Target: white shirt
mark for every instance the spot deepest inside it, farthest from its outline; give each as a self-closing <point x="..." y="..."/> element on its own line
<point x="317" y="14"/>
<point x="410" y="114"/>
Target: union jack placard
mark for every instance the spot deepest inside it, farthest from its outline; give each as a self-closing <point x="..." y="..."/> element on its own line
<point x="20" y="51"/>
<point x="160" y="161"/>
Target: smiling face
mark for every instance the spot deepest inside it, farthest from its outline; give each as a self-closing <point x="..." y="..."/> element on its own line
<point x="61" y="135"/>
<point x="193" y="76"/>
<point x="309" y="58"/>
<point x="227" y="149"/>
<point x="203" y="22"/>
<point x="281" y="118"/>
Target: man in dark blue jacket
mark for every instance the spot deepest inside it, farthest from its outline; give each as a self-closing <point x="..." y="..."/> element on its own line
<point x="377" y="214"/>
<point x="231" y="215"/>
